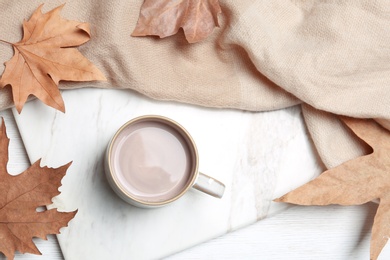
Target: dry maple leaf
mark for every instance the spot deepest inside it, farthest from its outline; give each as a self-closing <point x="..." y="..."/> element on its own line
<point x="165" y="17"/>
<point x="20" y="196"/>
<point x="45" y="56"/>
<point x="356" y="182"/>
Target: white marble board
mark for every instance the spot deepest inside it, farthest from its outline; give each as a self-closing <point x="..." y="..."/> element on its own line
<point x="259" y="156"/>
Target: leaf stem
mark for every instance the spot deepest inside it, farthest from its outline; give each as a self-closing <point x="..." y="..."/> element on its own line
<point x="6" y="42"/>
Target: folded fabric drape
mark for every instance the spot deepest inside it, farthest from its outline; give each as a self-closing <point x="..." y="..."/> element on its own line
<point x="332" y="56"/>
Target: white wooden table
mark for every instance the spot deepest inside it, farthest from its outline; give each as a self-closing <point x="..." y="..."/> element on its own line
<point x="331" y="232"/>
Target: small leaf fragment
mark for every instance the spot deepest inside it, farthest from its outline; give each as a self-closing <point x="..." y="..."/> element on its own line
<point x="163" y="18"/>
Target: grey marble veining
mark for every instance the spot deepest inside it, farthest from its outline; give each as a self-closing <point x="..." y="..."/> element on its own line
<point x="259" y="156"/>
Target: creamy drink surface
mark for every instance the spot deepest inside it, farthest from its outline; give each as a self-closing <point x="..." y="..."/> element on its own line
<point x="152" y="161"/>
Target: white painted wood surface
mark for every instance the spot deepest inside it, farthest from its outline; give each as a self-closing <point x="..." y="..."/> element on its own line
<point x="331" y="232"/>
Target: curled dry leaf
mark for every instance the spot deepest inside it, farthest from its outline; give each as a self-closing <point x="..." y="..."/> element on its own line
<point x="163" y="18"/>
<point x="356" y="181"/>
<point x="19" y="198"/>
<point x="46" y="55"/>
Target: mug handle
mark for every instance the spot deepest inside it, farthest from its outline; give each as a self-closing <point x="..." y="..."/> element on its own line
<point x="209" y="185"/>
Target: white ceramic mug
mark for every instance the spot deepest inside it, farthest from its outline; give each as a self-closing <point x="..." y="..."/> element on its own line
<point x="152" y="161"/>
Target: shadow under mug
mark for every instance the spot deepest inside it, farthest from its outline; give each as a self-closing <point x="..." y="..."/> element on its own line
<point x="152" y="161"/>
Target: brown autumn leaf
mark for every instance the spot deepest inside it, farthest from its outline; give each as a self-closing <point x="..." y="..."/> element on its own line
<point x="356" y="182"/>
<point x="165" y="17"/>
<point x="46" y="55"/>
<point x="20" y="196"/>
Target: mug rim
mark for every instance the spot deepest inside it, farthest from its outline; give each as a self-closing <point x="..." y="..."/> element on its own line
<point x="183" y="132"/>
